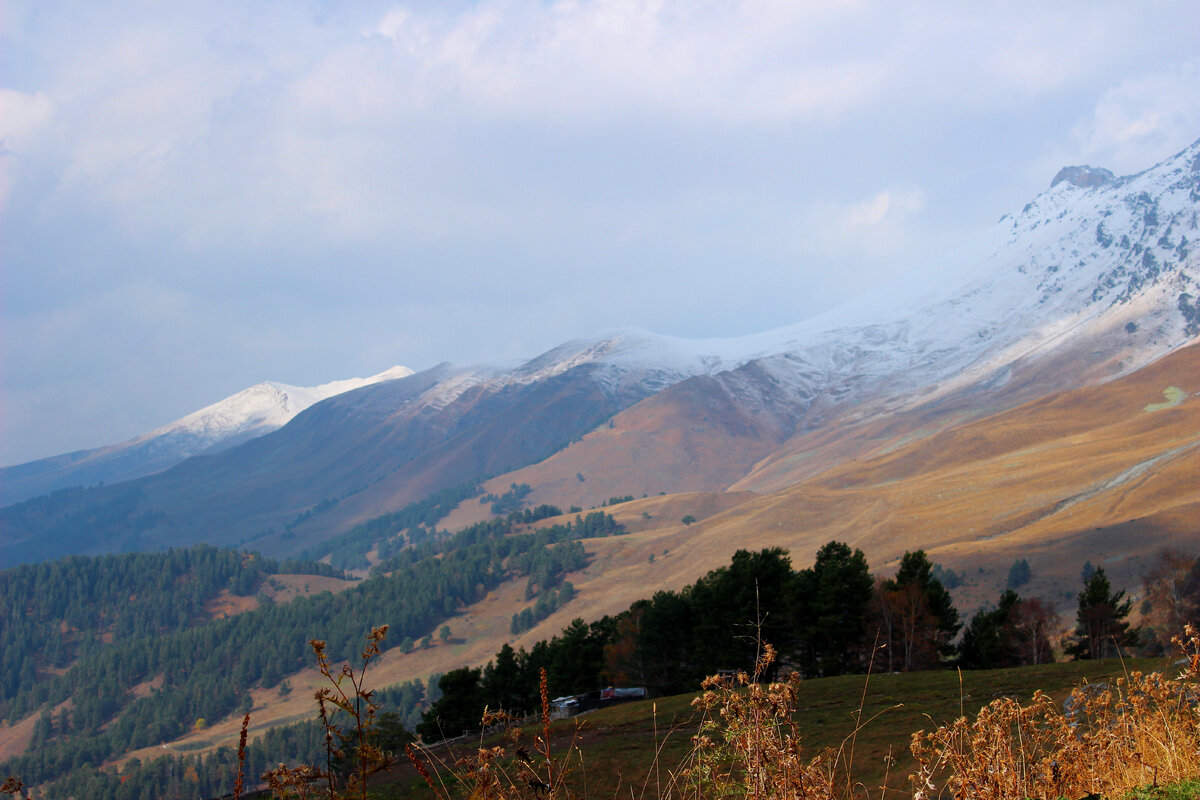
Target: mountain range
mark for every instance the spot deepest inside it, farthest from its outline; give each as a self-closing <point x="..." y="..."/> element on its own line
<point x="1093" y="281"/>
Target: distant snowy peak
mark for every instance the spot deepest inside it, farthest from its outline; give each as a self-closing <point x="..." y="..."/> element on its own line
<point x="1091" y="252"/>
<point x="248" y="414"/>
<point x="633" y="350"/>
<point x="1084" y="257"/>
<point x="627" y="359"/>
<point x="259" y="409"/>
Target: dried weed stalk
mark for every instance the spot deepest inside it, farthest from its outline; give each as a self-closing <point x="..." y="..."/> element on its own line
<point x="511" y="771"/>
<point x="241" y="758"/>
<point x="347" y="693"/>
<point x="14" y="786"/>
<point x="748" y="744"/>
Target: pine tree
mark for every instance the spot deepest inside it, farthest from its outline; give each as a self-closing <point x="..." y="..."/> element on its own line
<point x="995" y="637"/>
<point x="1100" y="626"/>
<point x="1019" y="573"/>
<point x="834" y="597"/>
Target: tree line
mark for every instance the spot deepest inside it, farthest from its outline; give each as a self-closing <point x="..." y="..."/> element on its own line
<point x="200" y="777"/>
<point x="828" y="619"/>
<point x="349" y="550"/>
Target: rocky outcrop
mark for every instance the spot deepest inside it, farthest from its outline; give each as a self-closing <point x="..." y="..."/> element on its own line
<point x="1084" y="177"/>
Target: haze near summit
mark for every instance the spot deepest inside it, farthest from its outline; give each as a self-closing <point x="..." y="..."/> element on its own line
<point x="196" y="199"/>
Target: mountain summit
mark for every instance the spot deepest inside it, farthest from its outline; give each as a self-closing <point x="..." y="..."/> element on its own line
<point x="1084" y="177"/>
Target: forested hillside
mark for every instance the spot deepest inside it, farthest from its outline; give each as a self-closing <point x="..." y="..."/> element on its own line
<point x="53" y="614"/>
<point x="147" y="666"/>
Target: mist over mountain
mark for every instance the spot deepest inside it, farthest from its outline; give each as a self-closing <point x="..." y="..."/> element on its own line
<point x="1094" y="279"/>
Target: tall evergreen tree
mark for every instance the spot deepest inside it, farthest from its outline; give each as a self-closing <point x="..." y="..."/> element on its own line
<point x="834" y="596"/>
<point x="502" y="681"/>
<point x="459" y="707"/>
<point x="995" y="637"/>
<point x="1100" y="623"/>
<point x="739" y="607"/>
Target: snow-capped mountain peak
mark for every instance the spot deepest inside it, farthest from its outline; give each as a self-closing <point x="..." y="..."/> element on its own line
<point x="245" y="415"/>
<point x="1095" y="278"/>
<point x="260" y="409"/>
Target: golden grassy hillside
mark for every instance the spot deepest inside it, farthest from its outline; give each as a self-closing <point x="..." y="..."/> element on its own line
<point x="1105" y="473"/>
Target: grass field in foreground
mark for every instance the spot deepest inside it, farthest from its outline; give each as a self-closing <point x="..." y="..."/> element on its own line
<point x="633" y="748"/>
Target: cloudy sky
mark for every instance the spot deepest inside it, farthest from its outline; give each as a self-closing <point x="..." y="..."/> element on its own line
<point x="195" y="197"/>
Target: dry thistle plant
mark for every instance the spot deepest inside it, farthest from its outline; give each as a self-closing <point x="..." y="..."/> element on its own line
<point x="241" y="758"/>
<point x="511" y="771"/>
<point x="1108" y="739"/>
<point x="14" y="786"/>
<point x="749" y="745"/>
<point x="347" y="693"/>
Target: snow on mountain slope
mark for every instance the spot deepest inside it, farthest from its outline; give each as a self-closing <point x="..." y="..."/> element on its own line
<point x="1089" y="255"/>
<point x="250" y="413"/>
<point x="1095" y="278"/>
<point x="1095" y="264"/>
<point x="1030" y="281"/>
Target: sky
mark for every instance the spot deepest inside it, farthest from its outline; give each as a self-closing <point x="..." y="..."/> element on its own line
<point x="196" y="197"/>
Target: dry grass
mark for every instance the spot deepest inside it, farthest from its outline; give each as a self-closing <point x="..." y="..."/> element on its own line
<point x="345" y="694"/>
<point x="1107" y="740"/>
<point x="522" y="764"/>
<point x="749" y="744"/>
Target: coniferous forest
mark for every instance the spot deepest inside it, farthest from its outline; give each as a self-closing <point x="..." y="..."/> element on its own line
<point x="117" y="652"/>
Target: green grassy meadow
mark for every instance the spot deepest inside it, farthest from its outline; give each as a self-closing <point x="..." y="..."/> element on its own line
<point x="631" y="750"/>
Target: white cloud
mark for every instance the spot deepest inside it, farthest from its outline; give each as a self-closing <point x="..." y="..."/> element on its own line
<point x="1139" y="119"/>
<point x="575" y="61"/>
<point x="883" y="227"/>
<point x="271" y="125"/>
<point x="884" y="208"/>
<point x="21" y="115"/>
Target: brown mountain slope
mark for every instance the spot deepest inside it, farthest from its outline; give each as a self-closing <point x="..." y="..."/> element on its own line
<point x="692" y="437"/>
<point x="854" y="428"/>
<point x="1106" y="473"/>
